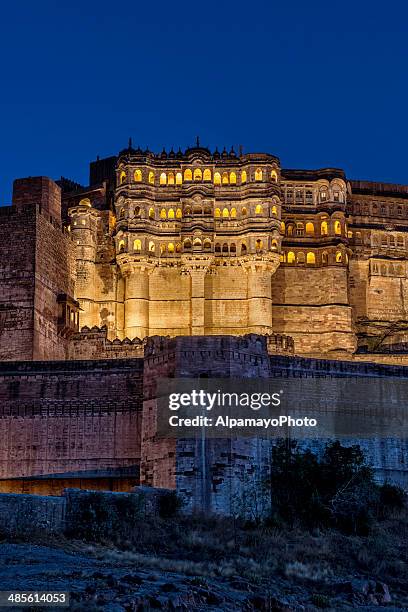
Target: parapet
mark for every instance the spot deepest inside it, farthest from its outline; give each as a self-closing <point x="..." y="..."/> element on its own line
<point x="279" y="344"/>
<point x="93" y="343"/>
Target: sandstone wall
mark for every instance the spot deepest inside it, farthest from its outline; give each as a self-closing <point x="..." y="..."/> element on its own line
<point x="312" y="306"/>
<point x="17" y="262"/>
<point x="70" y="418"/>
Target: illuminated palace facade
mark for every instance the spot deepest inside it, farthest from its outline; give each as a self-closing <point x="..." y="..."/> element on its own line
<point x="248" y="268"/>
<point x="209" y="243"/>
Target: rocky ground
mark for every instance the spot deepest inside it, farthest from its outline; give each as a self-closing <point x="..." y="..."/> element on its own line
<point x="107" y="578"/>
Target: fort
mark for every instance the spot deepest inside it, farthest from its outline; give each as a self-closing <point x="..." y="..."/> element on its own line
<point x="193" y="263"/>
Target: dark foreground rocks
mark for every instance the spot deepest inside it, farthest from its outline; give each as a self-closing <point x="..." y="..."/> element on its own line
<point x="119" y="584"/>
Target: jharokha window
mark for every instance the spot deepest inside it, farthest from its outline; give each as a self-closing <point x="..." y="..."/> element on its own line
<point x="68" y="314"/>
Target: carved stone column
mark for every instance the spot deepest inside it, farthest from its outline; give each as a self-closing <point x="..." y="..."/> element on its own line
<point x="136" y="299"/>
<point x="259" y="271"/>
<point x="197" y="267"/>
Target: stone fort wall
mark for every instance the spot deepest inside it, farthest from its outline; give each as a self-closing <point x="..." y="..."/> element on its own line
<point x="62" y="421"/>
<point x="92" y="423"/>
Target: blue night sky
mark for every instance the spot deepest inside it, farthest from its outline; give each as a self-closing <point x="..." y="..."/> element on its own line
<point x="316" y="83"/>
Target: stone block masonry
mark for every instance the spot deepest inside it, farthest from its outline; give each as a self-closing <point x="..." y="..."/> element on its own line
<point x="225" y="475"/>
<point x="70" y="418"/>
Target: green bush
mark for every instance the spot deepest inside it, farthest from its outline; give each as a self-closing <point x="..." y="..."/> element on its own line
<point x="335" y="490"/>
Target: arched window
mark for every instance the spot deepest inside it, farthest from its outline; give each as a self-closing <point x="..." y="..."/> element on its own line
<point x="309" y="228"/>
<point x="274" y="245"/>
<point x="324" y="230"/>
<point x="85" y="202"/>
<point x="259" y="245"/>
<point x="323" y="195"/>
<point x="243" y="176"/>
<point x="137" y="245"/>
<point x="178" y="247"/>
<point x="207" y="175"/>
<point x="225" y="178"/>
<point x="171" y="214"/>
<point x="274" y="211"/>
<point x="282" y="227"/>
<point x="258" y="174"/>
<point x="233" y="249"/>
<point x="171" y="178"/>
<point x="310" y="258"/>
<point x="274" y="176"/>
<point x="233" y="213"/>
<point x="187" y="210"/>
<point x="291" y="257"/>
<point x="300" y="228"/>
<point x="233" y="178"/>
<point x="121" y="246"/>
<point x="187" y="245"/>
<point x="188" y="175"/>
<point x="217" y="178"/>
<point x="290" y="230"/>
<point x="163" y="214"/>
<point x="170" y="247"/>
<point x="137" y="211"/>
<point x="178" y="213"/>
<point x="339" y="258"/>
<point x="217" y="213"/>
<point x="244" y="211"/>
<point x="301" y="258"/>
<point x="162" y="248"/>
<point x="163" y="178"/>
<point x="121" y="214"/>
<point x="243" y="248"/>
<point x="122" y="177"/>
<point x="151" y="177"/>
<point x="207" y="245"/>
<point x="258" y="209"/>
<point x="217" y="248"/>
<point x="138" y="176"/>
<point x="225" y="249"/>
<point x="179" y="178"/>
<point x="337" y="228"/>
<point x="225" y="213"/>
<point x="325" y="258"/>
<point x="151" y="247"/>
<point x="151" y="213"/>
<point x="282" y="258"/>
<point x="198" y="175"/>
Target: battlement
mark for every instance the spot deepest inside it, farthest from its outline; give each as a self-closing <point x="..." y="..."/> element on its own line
<point x="93" y="343"/>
